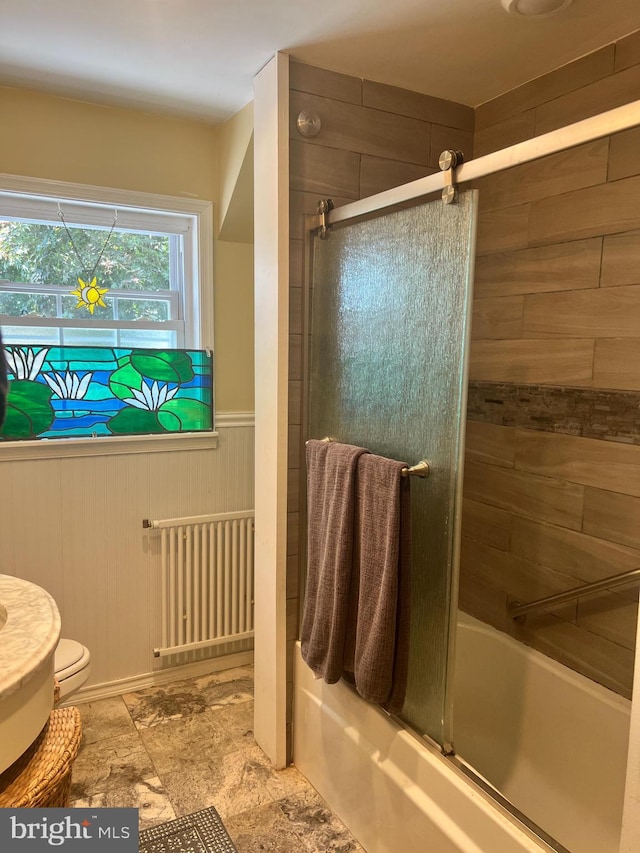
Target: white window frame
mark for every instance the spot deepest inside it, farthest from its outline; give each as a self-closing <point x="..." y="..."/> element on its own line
<point x="198" y="300"/>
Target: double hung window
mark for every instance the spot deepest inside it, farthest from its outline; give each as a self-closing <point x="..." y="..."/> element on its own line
<point x="142" y="261"/>
<point x="105" y="313"/>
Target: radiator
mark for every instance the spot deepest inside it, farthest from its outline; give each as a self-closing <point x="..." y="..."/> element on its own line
<point x="206" y="581"/>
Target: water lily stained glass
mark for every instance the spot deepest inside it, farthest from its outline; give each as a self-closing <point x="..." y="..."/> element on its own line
<point x="75" y="392"/>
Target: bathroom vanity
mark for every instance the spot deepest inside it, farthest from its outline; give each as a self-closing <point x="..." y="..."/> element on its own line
<point x="29" y="633"/>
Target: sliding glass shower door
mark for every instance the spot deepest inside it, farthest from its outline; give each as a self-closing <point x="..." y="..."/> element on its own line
<point x="390" y="314"/>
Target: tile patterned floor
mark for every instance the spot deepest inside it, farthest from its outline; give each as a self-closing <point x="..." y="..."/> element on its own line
<point x="176" y="749"/>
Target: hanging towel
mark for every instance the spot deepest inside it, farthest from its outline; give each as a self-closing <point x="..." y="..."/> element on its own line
<point x="377" y="646"/>
<point x="331" y="476"/>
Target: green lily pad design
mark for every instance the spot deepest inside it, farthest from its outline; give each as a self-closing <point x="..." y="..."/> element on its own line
<point x="132" y="421"/>
<point x="162" y="365"/>
<point x="183" y="414"/>
<point x="29" y="410"/>
<point x="123" y="380"/>
<point x="148" y="384"/>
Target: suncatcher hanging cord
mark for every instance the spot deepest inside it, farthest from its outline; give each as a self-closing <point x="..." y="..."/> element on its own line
<point x="88" y="293"/>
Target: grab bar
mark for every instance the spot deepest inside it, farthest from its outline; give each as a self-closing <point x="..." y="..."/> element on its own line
<point x="420" y="469"/>
<point x="518" y="611"/>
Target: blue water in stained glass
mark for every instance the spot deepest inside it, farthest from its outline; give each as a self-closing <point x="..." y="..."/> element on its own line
<point x="50" y="396"/>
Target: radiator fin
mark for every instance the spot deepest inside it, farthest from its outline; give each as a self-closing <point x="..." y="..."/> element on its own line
<point x="206" y="594"/>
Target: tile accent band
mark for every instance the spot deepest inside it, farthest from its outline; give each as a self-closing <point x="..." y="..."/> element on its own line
<point x="585" y="412"/>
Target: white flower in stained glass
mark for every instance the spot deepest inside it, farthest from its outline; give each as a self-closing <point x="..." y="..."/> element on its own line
<point x="151" y="396"/>
<point x="68" y="386"/>
<point x="24" y="363"/>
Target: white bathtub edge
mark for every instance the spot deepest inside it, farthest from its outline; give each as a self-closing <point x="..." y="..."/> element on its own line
<point x="391" y="791"/>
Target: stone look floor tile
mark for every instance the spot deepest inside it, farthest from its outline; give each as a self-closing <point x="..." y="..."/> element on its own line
<point x="317" y="826"/>
<point x="262" y="829"/>
<point x="221" y="694"/>
<point x="108" y="764"/>
<point x="148" y="796"/>
<point x="279" y="783"/>
<point x="158" y="705"/>
<point x="237" y="721"/>
<point x="173" y="750"/>
<point x="177" y="743"/>
<point x="104" y="719"/>
<point x="288" y="782"/>
<point x="232" y="784"/>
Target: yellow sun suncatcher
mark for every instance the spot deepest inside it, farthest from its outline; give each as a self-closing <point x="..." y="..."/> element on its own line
<point x="89" y="294"/>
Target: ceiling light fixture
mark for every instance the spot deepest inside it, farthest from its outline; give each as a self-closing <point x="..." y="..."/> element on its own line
<point x="535" y="8"/>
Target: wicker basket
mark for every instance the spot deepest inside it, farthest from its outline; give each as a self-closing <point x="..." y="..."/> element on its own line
<point x="41" y="777"/>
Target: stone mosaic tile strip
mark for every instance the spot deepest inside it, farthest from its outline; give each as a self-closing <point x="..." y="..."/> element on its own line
<point x="585" y="412"/>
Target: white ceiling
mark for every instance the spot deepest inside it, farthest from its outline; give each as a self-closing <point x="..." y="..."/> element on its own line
<point x="197" y="58"/>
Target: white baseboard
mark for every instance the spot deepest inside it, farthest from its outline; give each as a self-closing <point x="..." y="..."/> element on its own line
<point x="155" y="679"/>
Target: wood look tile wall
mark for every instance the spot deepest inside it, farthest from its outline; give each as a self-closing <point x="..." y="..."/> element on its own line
<point x="373" y="137"/>
<point x="557" y="302"/>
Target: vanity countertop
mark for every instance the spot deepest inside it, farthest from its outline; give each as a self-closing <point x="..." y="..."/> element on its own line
<point x="29" y="631"/>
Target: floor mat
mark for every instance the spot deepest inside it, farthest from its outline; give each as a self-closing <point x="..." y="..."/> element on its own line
<point x="200" y="832"/>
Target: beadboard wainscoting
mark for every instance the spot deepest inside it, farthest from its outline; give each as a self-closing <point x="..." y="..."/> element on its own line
<point x="73" y="525"/>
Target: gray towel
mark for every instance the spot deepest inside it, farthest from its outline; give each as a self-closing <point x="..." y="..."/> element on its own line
<point x="376" y="649"/>
<point x="331" y="475"/>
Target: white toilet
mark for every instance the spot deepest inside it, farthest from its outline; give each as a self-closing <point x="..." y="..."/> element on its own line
<point x="72" y="666"/>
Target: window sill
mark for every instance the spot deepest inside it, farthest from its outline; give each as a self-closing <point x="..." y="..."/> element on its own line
<point x="64" y="448"/>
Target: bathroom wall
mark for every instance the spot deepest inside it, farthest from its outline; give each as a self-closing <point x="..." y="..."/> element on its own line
<point x="74" y="526"/>
<point x="552" y="479"/>
<point x="68" y="140"/>
<point x="373" y="137"/>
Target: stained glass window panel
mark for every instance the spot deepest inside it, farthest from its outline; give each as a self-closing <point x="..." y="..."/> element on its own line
<point x="85" y="391"/>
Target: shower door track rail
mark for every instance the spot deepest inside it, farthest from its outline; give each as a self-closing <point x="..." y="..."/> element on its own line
<point x="587" y="130"/>
<point x="518" y="611"/>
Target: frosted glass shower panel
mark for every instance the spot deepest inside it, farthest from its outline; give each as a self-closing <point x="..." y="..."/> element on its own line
<point x="390" y="312"/>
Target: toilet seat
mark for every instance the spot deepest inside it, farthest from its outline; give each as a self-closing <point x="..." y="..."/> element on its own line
<point x="72" y="668"/>
<point x="71" y="656"/>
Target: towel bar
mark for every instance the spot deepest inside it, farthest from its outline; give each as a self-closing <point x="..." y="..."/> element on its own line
<point x="420" y="469"/>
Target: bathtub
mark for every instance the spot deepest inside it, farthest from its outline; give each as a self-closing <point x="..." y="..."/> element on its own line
<point x="396" y="792"/>
<point x="550" y="740"/>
